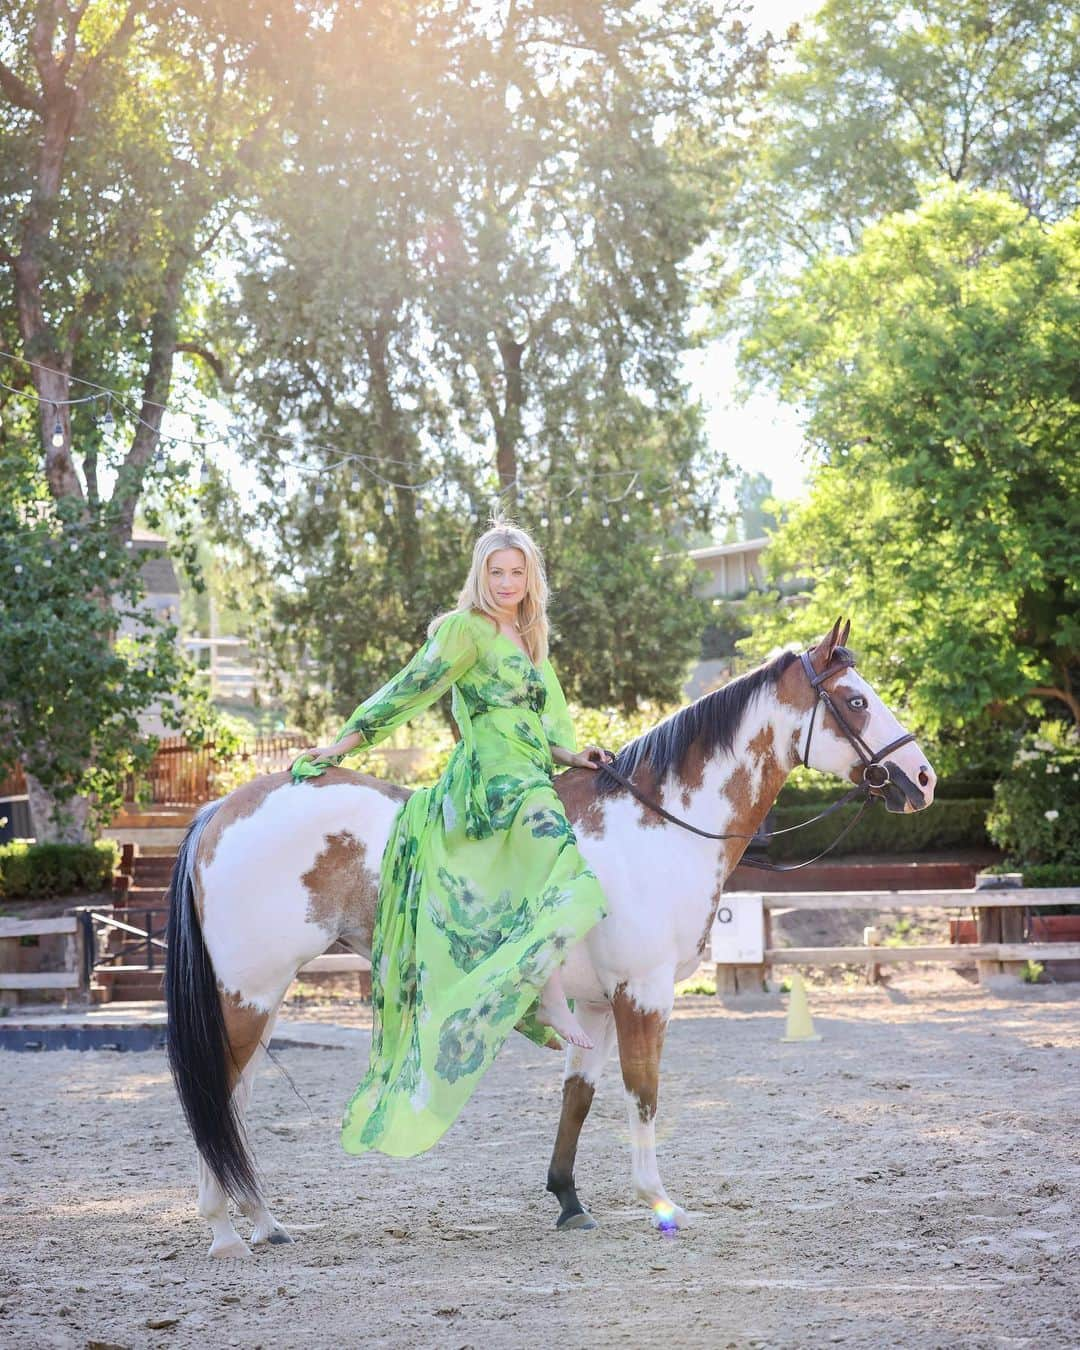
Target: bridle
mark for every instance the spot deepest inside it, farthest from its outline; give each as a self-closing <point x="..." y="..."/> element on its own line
<point x="868" y="790"/>
<point x="871" y="759"/>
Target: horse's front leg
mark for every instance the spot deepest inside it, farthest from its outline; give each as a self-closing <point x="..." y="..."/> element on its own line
<point x="582" y="1072"/>
<point x="641" y="1039"/>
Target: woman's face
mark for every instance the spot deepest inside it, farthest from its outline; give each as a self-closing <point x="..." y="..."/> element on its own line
<point x="506" y="576"/>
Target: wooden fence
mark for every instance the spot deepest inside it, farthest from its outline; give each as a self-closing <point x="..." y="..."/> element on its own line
<point x="185" y="775"/>
<point x="1000" y="925"/>
<point x="71" y="978"/>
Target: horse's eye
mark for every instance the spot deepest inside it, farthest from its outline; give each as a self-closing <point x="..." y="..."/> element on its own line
<point x="858" y="703"/>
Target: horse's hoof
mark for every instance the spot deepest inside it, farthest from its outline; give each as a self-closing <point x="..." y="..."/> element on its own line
<point x="279" y="1238"/>
<point x="232" y="1249"/>
<point x="669" y="1218"/>
<point x="579" y="1223"/>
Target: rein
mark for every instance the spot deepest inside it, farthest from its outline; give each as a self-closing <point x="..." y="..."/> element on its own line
<point x="869" y="790"/>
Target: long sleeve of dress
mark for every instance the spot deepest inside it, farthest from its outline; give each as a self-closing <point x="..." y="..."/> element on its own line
<point x="445" y="657"/>
<point x="555" y="718"/>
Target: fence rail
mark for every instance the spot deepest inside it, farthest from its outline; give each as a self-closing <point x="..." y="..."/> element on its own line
<point x="1004" y="919"/>
<point x="186" y="775"/>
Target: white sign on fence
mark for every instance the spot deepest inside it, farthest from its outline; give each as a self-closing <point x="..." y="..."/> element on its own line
<point x="738" y="931"/>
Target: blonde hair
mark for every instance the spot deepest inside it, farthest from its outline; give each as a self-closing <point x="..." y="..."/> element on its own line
<point x="476" y="592"/>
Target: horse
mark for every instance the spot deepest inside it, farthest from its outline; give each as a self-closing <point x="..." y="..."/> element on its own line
<point x="269" y="876"/>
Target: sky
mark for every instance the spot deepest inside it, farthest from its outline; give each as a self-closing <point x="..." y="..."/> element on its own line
<point x="761" y="436"/>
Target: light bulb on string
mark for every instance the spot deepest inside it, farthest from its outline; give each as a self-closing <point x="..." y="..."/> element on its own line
<point x="605" y="519"/>
<point x="108" y="422"/>
<point x="543" y="522"/>
<point x="58" y="436"/>
<point x="640" y="495"/>
<point x="354" y="485"/>
<point x="567" y="518"/>
<point x="419" y="511"/>
<point x="18" y="568"/>
<point x="388" y="507"/>
<point x="626" y="515"/>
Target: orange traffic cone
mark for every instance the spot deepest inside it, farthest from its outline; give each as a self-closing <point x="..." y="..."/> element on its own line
<point x="800" y="1025"/>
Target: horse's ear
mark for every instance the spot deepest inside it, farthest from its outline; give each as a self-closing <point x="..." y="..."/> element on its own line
<point x="845" y="634"/>
<point x="829" y="643"/>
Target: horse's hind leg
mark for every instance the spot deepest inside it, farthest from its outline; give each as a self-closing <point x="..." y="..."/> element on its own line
<point x="248" y="1033"/>
<point x="641" y="1040"/>
<point x="265" y="1227"/>
<point x="582" y="1072"/>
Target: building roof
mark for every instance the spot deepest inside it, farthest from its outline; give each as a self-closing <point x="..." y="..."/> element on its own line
<point x="727" y="550"/>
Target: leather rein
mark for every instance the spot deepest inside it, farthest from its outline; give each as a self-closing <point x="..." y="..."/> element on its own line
<point x="871" y="788"/>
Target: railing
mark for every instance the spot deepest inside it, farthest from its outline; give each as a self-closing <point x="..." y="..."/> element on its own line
<point x="185" y="775"/>
<point x="1006" y="929"/>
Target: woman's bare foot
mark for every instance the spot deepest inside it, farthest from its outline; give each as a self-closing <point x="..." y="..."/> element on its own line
<point x="554" y="1012"/>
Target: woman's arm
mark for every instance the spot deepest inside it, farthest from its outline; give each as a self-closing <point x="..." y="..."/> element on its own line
<point x="559" y="727"/>
<point x="443" y="658"/>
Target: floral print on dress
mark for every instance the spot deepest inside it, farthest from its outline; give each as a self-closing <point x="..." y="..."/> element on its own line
<point x="482" y="887"/>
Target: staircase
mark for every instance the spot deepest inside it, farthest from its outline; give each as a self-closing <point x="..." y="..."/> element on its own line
<point x="137" y="974"/>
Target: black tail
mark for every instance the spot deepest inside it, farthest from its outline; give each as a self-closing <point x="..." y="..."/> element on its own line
<point x="196" y="1041"/>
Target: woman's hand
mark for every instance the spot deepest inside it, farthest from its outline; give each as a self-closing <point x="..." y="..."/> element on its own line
<point x="592" y="757"/>
<point x="320" y="752"/>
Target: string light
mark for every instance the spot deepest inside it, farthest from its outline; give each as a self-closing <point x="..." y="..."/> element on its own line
<point x="334" y="459"/>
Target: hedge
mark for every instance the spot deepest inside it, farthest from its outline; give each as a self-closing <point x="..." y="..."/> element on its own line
<point x="33" y="871"/>
<point x="945" y="824"/>
<point x="817" y="795"/>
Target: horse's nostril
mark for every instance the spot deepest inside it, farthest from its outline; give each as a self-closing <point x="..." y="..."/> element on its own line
<point x="924" y="777"/>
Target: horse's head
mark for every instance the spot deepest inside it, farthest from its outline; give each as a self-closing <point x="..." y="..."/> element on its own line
<point x="847" y="730"/>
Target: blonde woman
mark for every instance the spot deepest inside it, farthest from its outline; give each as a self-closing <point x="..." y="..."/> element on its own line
<point x="482" y="888"/>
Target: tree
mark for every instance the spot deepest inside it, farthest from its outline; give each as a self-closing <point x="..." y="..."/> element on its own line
<point x="77" y="673"/>
<point x="129" y="134"/>
<point x="468" y="291"/>
<point x="875" y="99"/>
<point x="937" y="370"/>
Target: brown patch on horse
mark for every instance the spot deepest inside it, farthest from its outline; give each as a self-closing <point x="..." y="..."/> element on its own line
<point x="641" y="1040"/>
<point x="241" y="802"/>
<point x="343" y="891"/>
<point x="335" y="776"/>
<point x="576" y="789"/>
<point x="691" y="772"/>
<point x="244" y="1027"/>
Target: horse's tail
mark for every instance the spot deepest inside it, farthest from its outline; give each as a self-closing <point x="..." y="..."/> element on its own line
<point x="197" y="1040"/>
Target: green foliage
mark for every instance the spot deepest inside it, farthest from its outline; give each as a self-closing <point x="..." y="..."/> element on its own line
<point x="471" y="271"/>
<point x="937" y="371"/>
<point x="33" y="871"/>
<point x="81" y="658"/>
<point x="947" y="824"/>
<point x="1032" y="972"/>
<point x="1053" y="874"/>
<point x="871" y="102"/>
<point x="1036" y="811"/>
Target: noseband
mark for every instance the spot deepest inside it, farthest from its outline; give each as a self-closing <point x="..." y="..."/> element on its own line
<point x="875" y="774"/>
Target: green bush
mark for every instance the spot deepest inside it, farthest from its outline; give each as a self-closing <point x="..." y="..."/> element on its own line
<point x="33" y="871"/>
<point x="947" y="824"/>
<point x="808" y="788"/>
<point x="1052" y="874"/>
<point x="1036" y="810"/>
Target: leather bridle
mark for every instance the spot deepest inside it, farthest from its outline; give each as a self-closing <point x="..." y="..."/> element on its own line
<point x="868" y="790"/>
<point x="871" y="759"/>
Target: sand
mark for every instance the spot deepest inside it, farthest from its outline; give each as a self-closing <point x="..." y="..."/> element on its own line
<point x="911" y="1179"/>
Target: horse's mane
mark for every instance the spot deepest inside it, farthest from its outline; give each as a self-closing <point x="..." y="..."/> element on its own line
<point x="711" y="721"/>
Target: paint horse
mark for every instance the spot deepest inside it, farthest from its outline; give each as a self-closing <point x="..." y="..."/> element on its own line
<point x="272" y="874"/>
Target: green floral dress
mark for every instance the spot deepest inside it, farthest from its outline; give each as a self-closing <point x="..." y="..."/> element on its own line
<point x="482" y="886"/>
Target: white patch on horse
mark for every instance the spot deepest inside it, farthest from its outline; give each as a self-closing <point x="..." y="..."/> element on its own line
<point x="255" y="921"/>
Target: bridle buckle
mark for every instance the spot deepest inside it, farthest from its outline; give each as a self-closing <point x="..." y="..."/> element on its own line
<point x="880" y="778"/>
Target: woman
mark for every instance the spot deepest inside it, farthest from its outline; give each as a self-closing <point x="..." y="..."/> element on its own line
<point x="482" y="887"/>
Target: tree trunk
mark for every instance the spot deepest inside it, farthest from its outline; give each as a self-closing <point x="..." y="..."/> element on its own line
<point x="56" y="822"/>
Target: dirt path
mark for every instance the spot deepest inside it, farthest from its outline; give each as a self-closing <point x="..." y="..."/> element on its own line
<point x="910" y="1180"/>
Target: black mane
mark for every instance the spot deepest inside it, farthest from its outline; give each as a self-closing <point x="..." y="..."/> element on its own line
<point x="711" y="721"/>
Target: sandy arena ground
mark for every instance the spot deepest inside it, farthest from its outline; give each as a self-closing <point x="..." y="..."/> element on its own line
<point x="912" y="1179"/>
